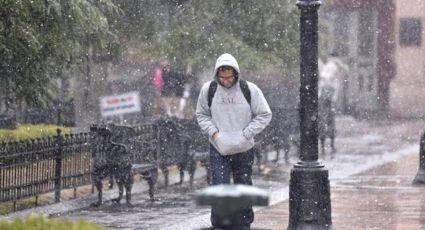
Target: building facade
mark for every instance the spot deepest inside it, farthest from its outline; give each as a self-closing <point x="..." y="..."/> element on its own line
<point x="408" y="87"/>
<point x="362" y="34"/>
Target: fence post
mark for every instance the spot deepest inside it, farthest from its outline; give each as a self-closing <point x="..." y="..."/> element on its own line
<point x="93" y="135"/>
<point x="420" y="176"/>
<point x="58" y="164"/>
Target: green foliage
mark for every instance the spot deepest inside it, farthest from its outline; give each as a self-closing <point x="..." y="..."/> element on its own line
<point x="37" y="222"/>
<point x="40" y="40"/>
<point x="263" y="35"/>
<point x="26" y="131"/>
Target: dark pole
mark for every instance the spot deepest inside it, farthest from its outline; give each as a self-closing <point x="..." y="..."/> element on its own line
<point x="309" y="191"/>
<point x="420" y="176"/>
<point x="58" y="165"/>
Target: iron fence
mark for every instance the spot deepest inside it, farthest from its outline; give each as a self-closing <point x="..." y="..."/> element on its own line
<point x="33" y="167"/>
<point x="27" y="168"/>
<point x="77" y="161"/>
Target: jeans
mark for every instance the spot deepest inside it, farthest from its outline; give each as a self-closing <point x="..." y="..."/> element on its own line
<point x="240" y="166"/>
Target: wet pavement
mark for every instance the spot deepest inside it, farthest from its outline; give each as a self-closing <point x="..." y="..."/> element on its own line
<point x="370" y="176"/>
<point x="172" y="205"/>
<point x="379" y="198"/>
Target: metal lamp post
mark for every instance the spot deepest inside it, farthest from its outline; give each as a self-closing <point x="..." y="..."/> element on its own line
<point x="309" y="190"/>
<point x="420" y="176"/>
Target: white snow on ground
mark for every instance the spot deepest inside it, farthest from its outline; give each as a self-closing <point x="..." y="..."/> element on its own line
<point x="340" y="167"/>
<point x="80" y="202"/>
<point x="358" y="150"/>
<point x="346" y="165"/>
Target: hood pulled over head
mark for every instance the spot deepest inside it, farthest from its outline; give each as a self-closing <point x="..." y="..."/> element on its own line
<point x="226" y="60"/>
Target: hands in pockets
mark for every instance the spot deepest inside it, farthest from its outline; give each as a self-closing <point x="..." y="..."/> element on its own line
<point x="228" y="143"/>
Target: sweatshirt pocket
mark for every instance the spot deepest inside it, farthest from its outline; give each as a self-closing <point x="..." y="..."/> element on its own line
<point x="229" y="143"/>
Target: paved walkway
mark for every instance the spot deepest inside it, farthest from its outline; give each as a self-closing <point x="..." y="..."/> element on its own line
<point x="370" y="176"/>
<point x="379" y="198"/>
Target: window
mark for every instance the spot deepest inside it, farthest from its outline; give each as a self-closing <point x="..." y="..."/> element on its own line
<point x="410" y="32"/>
<point x="340" y="33"/>
<point x="366" y="33"/>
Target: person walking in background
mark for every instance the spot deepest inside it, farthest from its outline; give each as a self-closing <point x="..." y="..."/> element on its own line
<point x="172" y="91"/>
<point x="157" y="79"/>
<point x="334" y="73"/>
<point x="332" y="78"/>
<point x="187" y="104"/>
<point x="231" y="111"/>
<point x="158" y="83"/>
<point x="326" y="122"/>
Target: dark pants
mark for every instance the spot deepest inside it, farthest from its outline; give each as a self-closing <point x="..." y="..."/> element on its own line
<point x="240" y="166"/>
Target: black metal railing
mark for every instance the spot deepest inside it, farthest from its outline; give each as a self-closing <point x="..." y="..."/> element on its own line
<point x="34" y="167"/>
<point x="27" y="168"/>
<point x="77" y="162"/>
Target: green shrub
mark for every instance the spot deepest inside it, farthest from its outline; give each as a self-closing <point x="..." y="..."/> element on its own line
<point x="37" y="222"/>
<point x="27" y="131"/>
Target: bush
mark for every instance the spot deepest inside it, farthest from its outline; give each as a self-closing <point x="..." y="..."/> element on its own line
<point x="26" y="131"/>
<point x="37" y="222"/>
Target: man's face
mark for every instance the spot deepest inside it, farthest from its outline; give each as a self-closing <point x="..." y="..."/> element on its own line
<point x="226" y="76"/>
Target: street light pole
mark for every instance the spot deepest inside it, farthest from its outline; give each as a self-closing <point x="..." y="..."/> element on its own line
<point x="309" y="190"/>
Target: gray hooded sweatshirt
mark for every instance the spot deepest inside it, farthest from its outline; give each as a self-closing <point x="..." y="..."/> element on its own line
<point x="230" y="114"/>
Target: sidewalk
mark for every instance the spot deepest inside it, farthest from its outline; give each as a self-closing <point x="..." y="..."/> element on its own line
<point x="380" y="198"/>
<point x="370" y="177"/>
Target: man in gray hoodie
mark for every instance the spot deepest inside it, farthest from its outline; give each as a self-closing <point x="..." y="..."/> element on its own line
<point x="231" y="120"/>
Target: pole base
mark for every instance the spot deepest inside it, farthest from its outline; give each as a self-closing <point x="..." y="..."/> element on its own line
<point x="309" y="198"/>
<point x="419" y="178"/>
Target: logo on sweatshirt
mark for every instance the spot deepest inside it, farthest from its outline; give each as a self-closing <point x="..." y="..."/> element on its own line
<point x="228" y="100"/>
